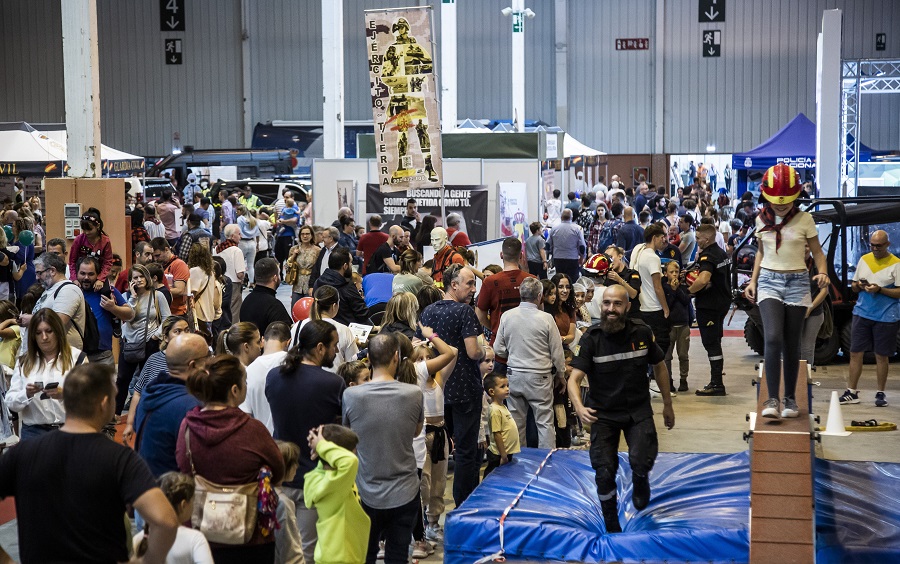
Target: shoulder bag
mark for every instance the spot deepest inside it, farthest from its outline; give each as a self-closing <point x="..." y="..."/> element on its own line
<point x="224" y="514"/>
<point x="135" y="352"/>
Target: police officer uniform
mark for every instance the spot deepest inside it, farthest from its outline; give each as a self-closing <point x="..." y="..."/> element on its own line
<point x="616" y="366"/>
<point x="712" y="304"/>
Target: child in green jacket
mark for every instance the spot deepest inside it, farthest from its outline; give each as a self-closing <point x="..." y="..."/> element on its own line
<point x="342" y="526"/>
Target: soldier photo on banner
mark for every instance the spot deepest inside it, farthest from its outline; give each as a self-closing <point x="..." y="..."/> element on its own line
<point x="470" y="202"/>
<point x="404" y="98"/>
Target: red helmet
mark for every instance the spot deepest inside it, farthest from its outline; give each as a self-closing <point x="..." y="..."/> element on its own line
<point x="597" y="265"/>
<point x="691" y="276"/>
<point x="781" y="184"/>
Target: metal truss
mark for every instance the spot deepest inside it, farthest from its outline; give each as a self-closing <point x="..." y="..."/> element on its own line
<point x="858" y="77"/>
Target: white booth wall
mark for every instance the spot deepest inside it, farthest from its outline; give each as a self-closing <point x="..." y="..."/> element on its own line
<point x="326" y="173"/>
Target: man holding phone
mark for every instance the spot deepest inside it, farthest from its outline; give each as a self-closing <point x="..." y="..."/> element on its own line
<point x="107" y="304"/>
<point x="876" y="316"/>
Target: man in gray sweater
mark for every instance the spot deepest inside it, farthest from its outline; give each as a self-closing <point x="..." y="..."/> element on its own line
<point x="530" y="339"/>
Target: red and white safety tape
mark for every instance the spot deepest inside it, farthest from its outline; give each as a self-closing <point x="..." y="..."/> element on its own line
<point x="498" y="556"/>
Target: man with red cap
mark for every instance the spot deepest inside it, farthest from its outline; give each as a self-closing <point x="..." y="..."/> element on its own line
<point x="780" y="283"/>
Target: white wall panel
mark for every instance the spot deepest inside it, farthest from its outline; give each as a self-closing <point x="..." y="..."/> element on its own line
<point x="144" y="100"/>
<point x="611" y="92"/>
<point x="31" y="61"/>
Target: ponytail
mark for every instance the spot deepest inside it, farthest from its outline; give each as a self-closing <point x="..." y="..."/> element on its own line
<point x="231" y="339"/>
<point x="325" y="297"/>
<point x="406" y="371"/>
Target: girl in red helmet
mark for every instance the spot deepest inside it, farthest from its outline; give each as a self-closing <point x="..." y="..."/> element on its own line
<point x="780" y="283"/>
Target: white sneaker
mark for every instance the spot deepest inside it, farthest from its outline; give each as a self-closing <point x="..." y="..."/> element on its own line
<point x="420" y="549"/>
<point x="434" y="533"/>
<point x="654" y="390"/>
<point x="770" y="408"/>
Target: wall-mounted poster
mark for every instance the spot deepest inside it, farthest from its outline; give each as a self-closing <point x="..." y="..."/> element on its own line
<point x="404" y="98"/>
<point x="346" y="194"/>
<point x="513" y="203"/>
<point x="470" y="202"/>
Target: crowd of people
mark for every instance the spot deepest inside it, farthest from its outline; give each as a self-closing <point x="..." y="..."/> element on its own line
<point x="286" y="435"/>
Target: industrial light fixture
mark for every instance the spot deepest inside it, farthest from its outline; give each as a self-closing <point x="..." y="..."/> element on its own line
<point x="528" y="13"/>
<point x="710" y="148"/>
<point x="506" y="11"/>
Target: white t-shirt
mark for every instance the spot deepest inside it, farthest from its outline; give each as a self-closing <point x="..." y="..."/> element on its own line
<point x="791" y="255"/>
<point x="419" y="441"/>
<point x="647" y="263"/>
<point x="234" y="262"/>
<point x="70" y="301"/>
<point x="264" y="228"/>
<point x="155" y="230"/>
<point x="190" y="547"/>
<point x="347" y="348"/>
<point x="554" y="210"/>
<point x="256" y="403"/>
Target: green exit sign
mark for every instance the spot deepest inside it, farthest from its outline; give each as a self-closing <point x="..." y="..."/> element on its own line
<point x="518" y="22"/>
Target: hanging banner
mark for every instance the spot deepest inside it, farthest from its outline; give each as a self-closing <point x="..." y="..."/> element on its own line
<point x="404" y="98"/>
<point x="470" y="202"/>
<point x="513" y="206"/>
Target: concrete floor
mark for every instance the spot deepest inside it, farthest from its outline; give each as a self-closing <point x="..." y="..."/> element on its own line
<point x="718" y="424"/>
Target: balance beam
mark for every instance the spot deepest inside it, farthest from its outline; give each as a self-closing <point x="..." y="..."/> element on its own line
<point x="782" y="504"/>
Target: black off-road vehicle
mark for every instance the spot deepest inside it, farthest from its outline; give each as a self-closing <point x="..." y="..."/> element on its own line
<point x="845" y="225"/>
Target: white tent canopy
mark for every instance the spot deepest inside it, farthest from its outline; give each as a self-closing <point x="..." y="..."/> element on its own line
<point x="40" y="150"/>
<point x="574" y="148"/>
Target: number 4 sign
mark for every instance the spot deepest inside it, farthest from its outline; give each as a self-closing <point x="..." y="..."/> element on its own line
<point x="171" y="15"/>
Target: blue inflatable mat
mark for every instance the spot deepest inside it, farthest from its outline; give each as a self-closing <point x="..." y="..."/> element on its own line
<point x="699" y="512"/>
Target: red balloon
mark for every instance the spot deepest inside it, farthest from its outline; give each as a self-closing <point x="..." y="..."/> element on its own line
<point x="300" y="311"/>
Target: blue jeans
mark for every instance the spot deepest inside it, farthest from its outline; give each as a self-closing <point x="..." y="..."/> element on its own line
<point x="463" y="420"/>
<point x="35" y="431"/>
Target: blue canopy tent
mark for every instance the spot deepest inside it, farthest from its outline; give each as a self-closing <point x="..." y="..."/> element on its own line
<point x="794" y="144"/>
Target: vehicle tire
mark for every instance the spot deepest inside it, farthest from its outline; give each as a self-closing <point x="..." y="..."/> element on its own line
<point x="827" y="349"/>
<point x="868" y="358"/>
<point x="754" y="336"/>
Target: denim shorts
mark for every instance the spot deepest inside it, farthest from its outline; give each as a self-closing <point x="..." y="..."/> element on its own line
<point x="790" y="288"/>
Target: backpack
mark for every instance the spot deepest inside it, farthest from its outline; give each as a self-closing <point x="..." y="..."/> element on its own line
<point x="90" y="339"/>
<point x="609" y="234"/>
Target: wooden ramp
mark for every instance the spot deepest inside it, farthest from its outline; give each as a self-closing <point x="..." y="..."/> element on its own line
<point x="782" y="504"/>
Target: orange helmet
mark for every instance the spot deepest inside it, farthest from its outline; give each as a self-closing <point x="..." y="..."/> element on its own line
<point x="781" y="184"/>
<point x="597" y="265"/>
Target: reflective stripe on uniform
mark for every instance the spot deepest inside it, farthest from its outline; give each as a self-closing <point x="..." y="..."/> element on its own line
<point x="620" y="356"/>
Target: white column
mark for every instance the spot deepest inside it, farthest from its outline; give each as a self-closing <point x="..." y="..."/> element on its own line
<point x="828" y="107"/>
<point x="246" y="73"/>
<point x="333" y="78"/>
<point x="659" y="78"/>
<point x="518" y="64"/>
<point x="81" y="74"/>
<point x="448" y="66"/>
<point x="561" y="33"/>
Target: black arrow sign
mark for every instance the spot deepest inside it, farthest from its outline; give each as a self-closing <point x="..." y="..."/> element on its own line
<point x="712" y="11"/>
<point x="711" y="45"/>
<point x="172" y="16"/>
<point x="173" y="53"/>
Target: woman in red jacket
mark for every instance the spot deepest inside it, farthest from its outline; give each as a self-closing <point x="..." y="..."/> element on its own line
<point x="229" y="447"/>
<point x="92" y="241"/>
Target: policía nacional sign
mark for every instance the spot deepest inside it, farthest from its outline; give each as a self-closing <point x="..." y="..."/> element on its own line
<point x="404" y="98"/>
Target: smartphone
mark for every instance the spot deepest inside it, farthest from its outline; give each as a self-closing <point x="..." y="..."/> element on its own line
<point x="39" y="385"/>
<point x="106" y="292"/>
<point x="51" y="386"/>
<point x="863" y="281"/>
